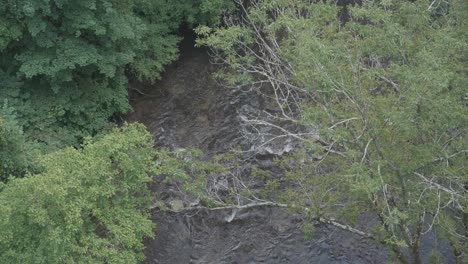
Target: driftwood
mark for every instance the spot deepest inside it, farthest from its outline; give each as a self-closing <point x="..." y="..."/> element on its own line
<point x="236" y="208"/>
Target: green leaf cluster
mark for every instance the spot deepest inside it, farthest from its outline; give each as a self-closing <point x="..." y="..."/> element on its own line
<point x="16" y="152"/>
<point x="63" y="64"/>
<point x="87" y="205"/>
<point x="384" y="82"/>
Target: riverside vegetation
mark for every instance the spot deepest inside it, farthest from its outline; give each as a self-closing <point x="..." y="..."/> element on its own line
<point x="374" y="92"/>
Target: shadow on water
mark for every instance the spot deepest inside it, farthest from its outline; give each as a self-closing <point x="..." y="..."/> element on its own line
<point x="187" y="107"/>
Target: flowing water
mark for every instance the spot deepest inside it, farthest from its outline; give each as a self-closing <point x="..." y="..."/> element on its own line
<point x="187" y="108"/>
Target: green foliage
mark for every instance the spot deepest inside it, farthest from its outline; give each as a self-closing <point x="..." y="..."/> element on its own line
<point x="386" y="88"/>
<point x="86" y="206"/>
<point x="214" y="182"/>
<point x="62" y="70"/>
<point x="63" y="63"/>
<point x="207" y="12"/>
<point x="188" y="170"/>
<point x="16" y="154"/>
<point x="393" y="93"/>
<point x="162" y="19"/>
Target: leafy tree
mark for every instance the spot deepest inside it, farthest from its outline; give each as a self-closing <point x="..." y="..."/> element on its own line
<point x="63" y="63"/>
<point x="87" y="205"/>
<point x="384" y="85"/>
<point x="162" y="19"/>
<point x="207" y="12"/>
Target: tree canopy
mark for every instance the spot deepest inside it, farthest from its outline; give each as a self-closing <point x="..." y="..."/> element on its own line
<point x="64" y="70"/>
<point x="374" y="92"/>
<point x="15" y="155"/>
<point x="63" y="64"/>
<point x="87" y="205"/>
<point x="383" y="84"/>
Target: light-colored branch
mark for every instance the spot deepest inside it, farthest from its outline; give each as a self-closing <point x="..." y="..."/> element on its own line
<point x="345" y="227"/>
<point x="229" y="207"/>
<point x="263" y="204"/>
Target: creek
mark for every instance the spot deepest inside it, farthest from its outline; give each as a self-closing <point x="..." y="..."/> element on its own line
<point x="188" y="108"/>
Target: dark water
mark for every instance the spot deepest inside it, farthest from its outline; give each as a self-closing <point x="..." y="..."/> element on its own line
<point x="187" y="108"/>
<point x="255" y="235"/>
